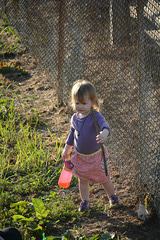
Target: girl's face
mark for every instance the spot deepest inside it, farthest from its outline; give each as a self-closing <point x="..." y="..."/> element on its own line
<point x="84" y="107"/>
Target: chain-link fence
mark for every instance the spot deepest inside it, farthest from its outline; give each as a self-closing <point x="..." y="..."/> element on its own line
<point x="115" y="44"/>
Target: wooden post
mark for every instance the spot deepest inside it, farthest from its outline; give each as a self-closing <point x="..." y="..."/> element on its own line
<point x="60" y="53"/>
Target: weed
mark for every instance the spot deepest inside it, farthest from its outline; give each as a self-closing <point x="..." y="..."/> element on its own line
<point x="58" y="146"/>
<point x="4" y="44"/>
<point x="38" y="215"/>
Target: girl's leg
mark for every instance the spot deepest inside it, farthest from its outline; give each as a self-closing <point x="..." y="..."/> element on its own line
<point x="84" y="192"/>
<point x="109" y="188"/>
<point x="84" y="189"/>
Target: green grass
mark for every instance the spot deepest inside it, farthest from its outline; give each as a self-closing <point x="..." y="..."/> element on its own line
<point x="6" y="31"/>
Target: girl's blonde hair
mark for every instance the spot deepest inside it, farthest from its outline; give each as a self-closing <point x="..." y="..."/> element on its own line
<point x="81" y="89"/>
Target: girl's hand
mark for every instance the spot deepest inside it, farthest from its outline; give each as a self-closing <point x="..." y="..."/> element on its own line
<point x="101" y="138"/>
<point x="65" y="155"/>
<point x="66" y="151"/>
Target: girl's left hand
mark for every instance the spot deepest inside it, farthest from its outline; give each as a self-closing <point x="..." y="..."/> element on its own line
<point x="101" y="138"/>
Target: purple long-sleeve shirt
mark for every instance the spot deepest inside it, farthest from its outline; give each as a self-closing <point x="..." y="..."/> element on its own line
<point x="83" y="133"/>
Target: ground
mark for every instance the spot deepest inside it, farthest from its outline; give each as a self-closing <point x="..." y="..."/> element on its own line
<point x="122" y="220"/>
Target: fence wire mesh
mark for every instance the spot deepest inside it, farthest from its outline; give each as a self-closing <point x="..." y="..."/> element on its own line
<point x="115" y="44"/>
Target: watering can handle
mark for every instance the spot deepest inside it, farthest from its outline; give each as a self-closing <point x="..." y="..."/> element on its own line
<point x="68" y="164"/>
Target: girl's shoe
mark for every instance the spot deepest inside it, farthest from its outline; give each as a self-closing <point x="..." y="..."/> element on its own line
<point x="114" y="200"/>
<point x="84" y="206"/>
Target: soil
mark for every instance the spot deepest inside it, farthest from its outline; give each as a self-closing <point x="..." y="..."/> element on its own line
<point x="121" y="220"/>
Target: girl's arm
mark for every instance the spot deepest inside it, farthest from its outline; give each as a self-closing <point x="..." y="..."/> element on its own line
<point x="69" y="142"/>
<point x="104" y="126"/>
<point x="66" y="151"/>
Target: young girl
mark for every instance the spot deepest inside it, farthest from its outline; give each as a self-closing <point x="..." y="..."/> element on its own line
<point x="85" y="144"/>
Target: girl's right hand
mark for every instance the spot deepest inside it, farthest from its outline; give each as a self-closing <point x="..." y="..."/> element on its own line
<point x="65" y="155"/>
<point x="66" y="151"/>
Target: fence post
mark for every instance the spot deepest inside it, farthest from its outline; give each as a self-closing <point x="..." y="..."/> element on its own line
<point x="60" y="52"/>
<point x="141" y="75"/>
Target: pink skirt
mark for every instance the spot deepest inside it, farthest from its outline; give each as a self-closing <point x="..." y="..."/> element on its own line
<point x="90" y="167"/>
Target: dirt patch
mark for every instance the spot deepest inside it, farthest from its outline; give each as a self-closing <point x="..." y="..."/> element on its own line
<point x="121" y="220"/>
